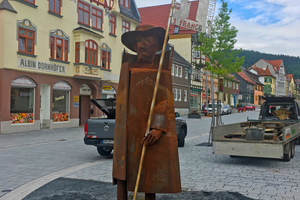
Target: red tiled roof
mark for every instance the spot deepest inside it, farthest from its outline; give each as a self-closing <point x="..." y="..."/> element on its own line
<point x="159" y="15"/>
<point x="289" y="76"/>
<point x="245" y="77"/>
<point x="275" y="63"/>
<point x="262" y="72"/>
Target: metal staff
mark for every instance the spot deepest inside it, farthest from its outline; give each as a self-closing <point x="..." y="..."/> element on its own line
<point x="153" y="100"/>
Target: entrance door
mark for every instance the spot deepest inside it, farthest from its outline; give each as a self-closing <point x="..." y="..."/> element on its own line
<point x="84" y="107"/>
<point x="45" y="106"/>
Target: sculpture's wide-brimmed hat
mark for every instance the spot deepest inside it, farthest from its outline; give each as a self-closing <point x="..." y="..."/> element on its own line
<point x="129" y="38"/>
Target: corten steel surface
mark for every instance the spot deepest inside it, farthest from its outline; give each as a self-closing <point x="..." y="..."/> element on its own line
<point x="160" y="173"/>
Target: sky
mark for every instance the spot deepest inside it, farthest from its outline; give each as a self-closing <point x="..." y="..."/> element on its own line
<point x="267" y="26"/>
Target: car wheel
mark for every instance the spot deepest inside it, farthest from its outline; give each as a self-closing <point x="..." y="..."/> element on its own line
<point x="181" y="138"/>
<point x="287" y="156"/>
<point x="104" y="151"/>
<point x="292" y="149"/>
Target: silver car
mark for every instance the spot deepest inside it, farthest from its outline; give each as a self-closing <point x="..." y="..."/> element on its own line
<point x="227" y="109"/>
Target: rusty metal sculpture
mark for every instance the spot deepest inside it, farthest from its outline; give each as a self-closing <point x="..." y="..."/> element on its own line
<point x="160" y="172"/>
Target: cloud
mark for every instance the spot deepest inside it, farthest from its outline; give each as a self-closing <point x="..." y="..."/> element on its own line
<point x="272" y="28"/>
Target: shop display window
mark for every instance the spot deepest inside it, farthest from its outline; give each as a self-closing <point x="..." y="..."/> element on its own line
<point x="21" y="105"/>
<point x="60" y="106"/>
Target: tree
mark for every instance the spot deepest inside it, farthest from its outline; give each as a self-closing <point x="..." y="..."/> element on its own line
<point x="218" y="47"/>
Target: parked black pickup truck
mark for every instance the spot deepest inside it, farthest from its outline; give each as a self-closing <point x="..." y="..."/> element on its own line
<point x="100" y="132"/>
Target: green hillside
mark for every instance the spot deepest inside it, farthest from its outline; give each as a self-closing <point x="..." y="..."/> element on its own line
<point x="291" y="63"/>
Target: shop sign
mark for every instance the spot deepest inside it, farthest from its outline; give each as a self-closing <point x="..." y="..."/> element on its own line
<point x="36" y="65"/>
<point x="111" y="91"/>
<point x="106" y="87"/>
<point x="23" y="81"/>
<point x="76" y="98"/>
<point x="85" y="90"/>
<point x="203" y="95"/>
<point x="61" y="85"/>
<point x="76" y="104"/>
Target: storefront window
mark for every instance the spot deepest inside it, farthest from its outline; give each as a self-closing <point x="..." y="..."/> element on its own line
<point x="21" y="105"/>
<point x="60" y="107"/>
<point x="60" y="103"/>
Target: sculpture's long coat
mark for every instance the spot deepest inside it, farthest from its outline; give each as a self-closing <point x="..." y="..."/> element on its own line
<point x="160" y="172"/>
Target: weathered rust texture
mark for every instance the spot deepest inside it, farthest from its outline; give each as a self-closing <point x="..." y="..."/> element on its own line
<point x="160" y="173"/>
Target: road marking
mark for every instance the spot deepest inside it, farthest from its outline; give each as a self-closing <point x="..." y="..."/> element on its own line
<point x="189" y="138"/>
<point x="24" y="190"/>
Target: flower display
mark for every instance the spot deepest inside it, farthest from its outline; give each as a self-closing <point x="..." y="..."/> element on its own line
<point x="60" y="117"/>
<point x="19" y="118"/>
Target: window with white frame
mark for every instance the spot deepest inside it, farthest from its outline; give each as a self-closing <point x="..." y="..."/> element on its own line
<point x="179" y="95"/>
<point x="172" y="70"/>
<point x="225" y="83"/>
<point x="175" y="94"/>
<point x="176" y="70"/>
<point x="179" y="71"/>
<point x="186" y="73"/>
<point x="185" y="95"/>
<point x="237" y="86"/>
<point x="197" y="54"/>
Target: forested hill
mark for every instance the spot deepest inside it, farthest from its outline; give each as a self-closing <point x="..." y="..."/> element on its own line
<point x="291" y="63"/>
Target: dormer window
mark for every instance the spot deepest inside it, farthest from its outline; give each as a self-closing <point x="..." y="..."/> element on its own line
<point x="176" y="30"/>
<point x="125" y="3"/>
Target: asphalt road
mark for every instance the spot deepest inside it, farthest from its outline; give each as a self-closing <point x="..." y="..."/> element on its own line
<point x="30" y="160"/>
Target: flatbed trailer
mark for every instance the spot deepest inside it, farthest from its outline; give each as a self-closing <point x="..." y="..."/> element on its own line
<point x="278" y="142"/>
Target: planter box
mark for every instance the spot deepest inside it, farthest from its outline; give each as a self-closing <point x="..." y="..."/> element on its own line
<point x="194" y="116"/>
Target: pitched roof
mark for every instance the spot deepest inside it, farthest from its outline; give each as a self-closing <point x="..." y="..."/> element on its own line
<point x="289" y="76"/>
<point x="5" y="5"/>
<point x="159" y="15"/>
<point x="245" y="77"/>
<point x="132" y="13"/>
<point x="262" y="72"/>
<point x="252" y="76"/>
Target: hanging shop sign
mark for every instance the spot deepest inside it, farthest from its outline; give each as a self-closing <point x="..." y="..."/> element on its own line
<point x="37" y="65"/>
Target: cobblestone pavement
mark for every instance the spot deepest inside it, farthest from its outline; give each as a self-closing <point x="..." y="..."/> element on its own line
<point x="27" y="157"/>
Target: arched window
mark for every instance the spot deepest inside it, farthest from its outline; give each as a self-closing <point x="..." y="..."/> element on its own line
<point x="105" y="56"/>
<point x="91" y="50"/>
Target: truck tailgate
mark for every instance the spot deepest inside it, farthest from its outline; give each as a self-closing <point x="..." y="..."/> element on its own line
<point x="102" y="128"/>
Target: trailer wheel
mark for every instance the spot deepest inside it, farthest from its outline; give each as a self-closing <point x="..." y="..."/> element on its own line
<point x="292" y="149"/>
<point x="287" y="156"/>
<point x="104" y="151"/>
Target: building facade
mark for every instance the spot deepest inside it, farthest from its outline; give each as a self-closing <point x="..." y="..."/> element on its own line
<point x="266" y="78"/>
<point x="181" y="84"/>
<point x="246" y="88"/>
<point x="57" y="55"/>
<point x="290" y="86"/>
<point x="229" y="91"/>
<point x="277" y="69"/>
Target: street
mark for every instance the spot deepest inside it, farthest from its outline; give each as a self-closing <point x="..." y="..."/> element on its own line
<point x="39" y="157"/>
